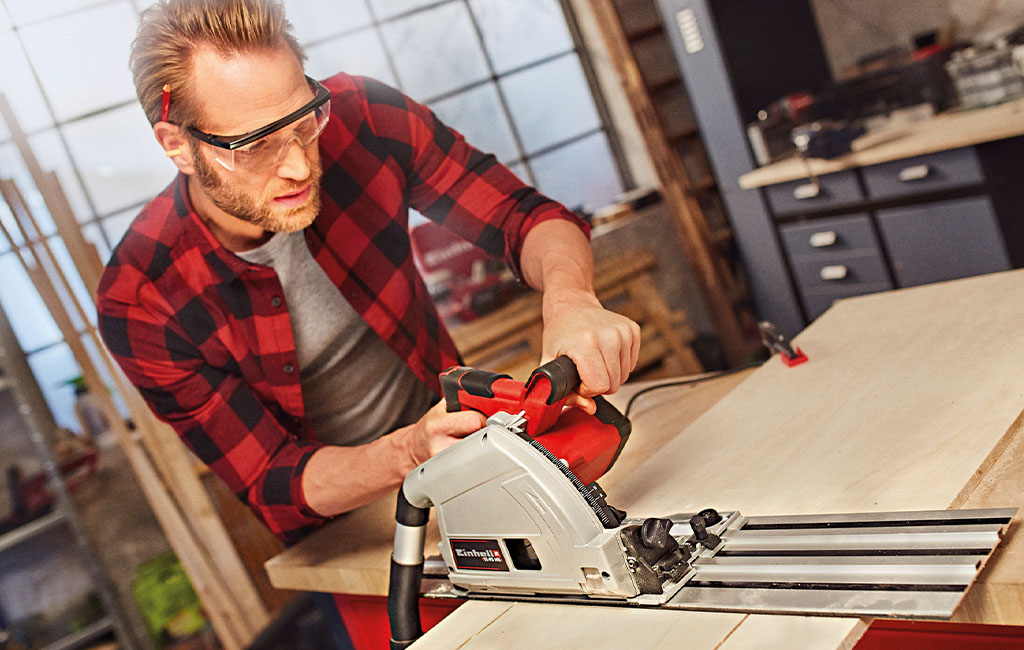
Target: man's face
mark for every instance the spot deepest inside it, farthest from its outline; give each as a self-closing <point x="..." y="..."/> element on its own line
<point x="242" y="93"/>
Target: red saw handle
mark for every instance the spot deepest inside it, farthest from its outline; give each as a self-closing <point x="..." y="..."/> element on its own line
<point x="589" y="444"/>
<point x="541" y="397"/>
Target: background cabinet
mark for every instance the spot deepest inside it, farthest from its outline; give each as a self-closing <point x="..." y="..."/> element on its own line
<point x="943" y="241"/>
<point x="929" y="218"/>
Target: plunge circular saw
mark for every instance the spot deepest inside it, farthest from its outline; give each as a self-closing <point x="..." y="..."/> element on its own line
<point x="522" y="517"/>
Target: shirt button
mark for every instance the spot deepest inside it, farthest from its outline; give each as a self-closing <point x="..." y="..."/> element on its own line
<point x="276" y="301"/>
<point x="288" y="368"/>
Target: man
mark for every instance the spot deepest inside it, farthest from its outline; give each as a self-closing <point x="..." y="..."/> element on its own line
<point x="266" y="304"/>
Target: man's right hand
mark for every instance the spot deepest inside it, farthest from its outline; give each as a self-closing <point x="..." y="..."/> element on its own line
<point x="437" y="430"/>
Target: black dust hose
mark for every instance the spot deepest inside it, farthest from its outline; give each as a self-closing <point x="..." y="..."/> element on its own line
<point x="406" y="573"/>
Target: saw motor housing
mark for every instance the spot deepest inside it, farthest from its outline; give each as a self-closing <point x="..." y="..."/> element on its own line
<point x="513" y="523"/>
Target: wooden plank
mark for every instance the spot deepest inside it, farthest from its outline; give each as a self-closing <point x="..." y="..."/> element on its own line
<point x="484" y="626"/>
<point x="694" y="232"/>
<point x="904" y="398"/>
<point x="941" y="133"/>
<point x="998" y="595"/>
<point x="805" y="633"/>
<point x="56" y="201"/>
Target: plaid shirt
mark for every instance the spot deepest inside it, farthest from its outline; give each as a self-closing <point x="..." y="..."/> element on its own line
<point x="205" y="336"/>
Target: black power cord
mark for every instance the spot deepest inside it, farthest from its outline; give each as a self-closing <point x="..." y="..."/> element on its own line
<point x="686" y="382"/>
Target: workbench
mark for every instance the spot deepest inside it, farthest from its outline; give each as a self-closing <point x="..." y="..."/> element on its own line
<point x="912" y="399"/>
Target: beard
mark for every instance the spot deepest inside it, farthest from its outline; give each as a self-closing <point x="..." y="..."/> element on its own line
<point x="259" y="210"/>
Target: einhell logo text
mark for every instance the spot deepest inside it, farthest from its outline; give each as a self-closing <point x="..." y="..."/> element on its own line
<point x="478" y="554"/>
<point x="492" y="556"/>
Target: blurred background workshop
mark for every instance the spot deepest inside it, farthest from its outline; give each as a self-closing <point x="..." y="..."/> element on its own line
<point x="739" y="161"/>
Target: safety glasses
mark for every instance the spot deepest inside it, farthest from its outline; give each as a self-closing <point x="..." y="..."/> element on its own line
<point x="268" y="145"/>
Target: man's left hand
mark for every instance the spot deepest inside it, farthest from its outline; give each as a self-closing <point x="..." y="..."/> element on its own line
<point x="604" y="345"/>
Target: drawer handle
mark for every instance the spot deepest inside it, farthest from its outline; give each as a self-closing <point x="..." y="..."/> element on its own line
<point x="806" y="191"/>
<point x="914" y="173"/>
<point x="833" y="272"/>
<point x="823" y="239"/>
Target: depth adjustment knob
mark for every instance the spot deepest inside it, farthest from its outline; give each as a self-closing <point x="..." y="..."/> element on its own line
<point x="654" y="534"/>
<point x="699" y="526"/>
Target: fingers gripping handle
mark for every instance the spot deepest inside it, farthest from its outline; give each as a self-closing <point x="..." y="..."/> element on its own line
<point x="406" y="573"/>
<point x="562" y="376"/>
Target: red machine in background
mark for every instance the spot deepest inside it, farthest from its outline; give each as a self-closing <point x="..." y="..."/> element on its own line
<point x="464" y="281"/>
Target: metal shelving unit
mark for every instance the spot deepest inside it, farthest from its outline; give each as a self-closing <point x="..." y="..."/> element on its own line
<point x="37" y="419"/>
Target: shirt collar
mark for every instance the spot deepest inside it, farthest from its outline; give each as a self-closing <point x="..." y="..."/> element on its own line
<point x="223" y="262"/>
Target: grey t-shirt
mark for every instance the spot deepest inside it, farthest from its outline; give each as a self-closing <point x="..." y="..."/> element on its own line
<point x="354" y="386"/>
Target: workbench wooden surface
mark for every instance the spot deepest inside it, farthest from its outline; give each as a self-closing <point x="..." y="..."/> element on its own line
<point x="911" y="400"/>
<point x="945" y="131"/>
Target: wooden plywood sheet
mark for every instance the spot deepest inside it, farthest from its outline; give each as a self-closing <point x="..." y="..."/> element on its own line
<point x="484" y="626"/>
<point x="909" y="397"/>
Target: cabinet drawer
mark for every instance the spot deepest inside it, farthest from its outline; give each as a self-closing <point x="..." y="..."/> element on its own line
<point x="943" y="241"/>
<point x="816" y="302"/>
<point x="820" y="237"/>
<point x="800" y="196"/>
<point x="928" y="173"/>
<point x="841" y="271"/>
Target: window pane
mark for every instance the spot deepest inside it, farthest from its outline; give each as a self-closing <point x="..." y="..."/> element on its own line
<point x="317" y="19"/>
<point x="118" y="158"/>
<point x="435" y="51"/>
<point x="388" y="8"/>
<point x="477" y="114"/>
<point x="117" y="225"/>
<point x="82" y="58"/>
<point x="52" y="155"/>
<point x="54" y="368"/>
<point x="28" y="11"/>
<point x="520" y="32"/>
<point x="580" y="174"/>
<point x="357" y="54"/>
<point x="20" y="88"/>
<point x="30" y="319"/>
<point x="550" y="103"/>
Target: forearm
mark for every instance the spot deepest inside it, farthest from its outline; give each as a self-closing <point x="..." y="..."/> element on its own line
<point x="556" y="257"/>
<point x="340" y="479"/>
<point x="556" y="260"/>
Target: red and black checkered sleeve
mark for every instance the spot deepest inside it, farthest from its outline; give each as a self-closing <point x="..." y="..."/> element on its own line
<point x="213" y="411"/>
<point x="456" y="185"/>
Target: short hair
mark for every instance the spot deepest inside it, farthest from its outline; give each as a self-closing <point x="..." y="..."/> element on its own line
<point x="171" y="31"/>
